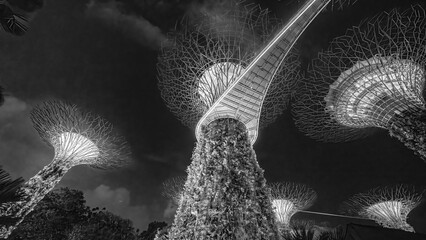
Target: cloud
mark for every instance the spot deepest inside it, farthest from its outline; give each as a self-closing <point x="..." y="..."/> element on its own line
<point x="135" y="27"/>
<point x="27" y="5"/>
<point x="23" y="153"/>
<point x="170" y="210"/>
<point x="118" y="202"/>
<point x="12" y="107"/>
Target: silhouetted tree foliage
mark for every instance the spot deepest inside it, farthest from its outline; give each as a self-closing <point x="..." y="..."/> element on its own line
<point x="8" y="193"/>
<point x="309" y="230"/>
<point x="152" y="230"/>
<point x="62" y="215"/>
<point x="54" y="216"/>
<point x="12" y="22"/>
<point x="103" y="225"/>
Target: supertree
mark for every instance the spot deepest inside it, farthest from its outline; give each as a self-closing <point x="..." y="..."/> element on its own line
<point x="173" y="188"/>
<point x="224" y="73"/>
<point x="77" y="139"/>
<point x="372" y="77"/>
<point x="288" y="198"/>
<point x="11" y="21"/>
<point x="388" y="206"/>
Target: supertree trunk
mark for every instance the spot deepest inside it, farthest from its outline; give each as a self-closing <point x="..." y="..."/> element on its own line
<point x="33" y="191"/>
<point x="225" y="195"/>
<point x="409" y="127"/>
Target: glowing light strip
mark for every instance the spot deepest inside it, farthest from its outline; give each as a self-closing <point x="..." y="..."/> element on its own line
<point x="334" y="215"/>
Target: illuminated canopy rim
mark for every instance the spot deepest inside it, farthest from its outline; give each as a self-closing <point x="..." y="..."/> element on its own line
<point x="384" y="209"/>
<point x="300" y="195"/>
<point x="284" y="210"/>
<point x="359" y="96"/>
<point x="404" y="39"/>
<point x="73" y="145"/>
<point x="234" y="35"/>
<point x="405" y="197"/>
<point x="64" y="127"/>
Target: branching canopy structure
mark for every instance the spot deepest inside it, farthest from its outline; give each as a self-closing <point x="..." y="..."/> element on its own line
<point x="173" y="188"/>
<point x="288" y="198"/>
<point x="211" y="52"/>
<point x="77" y="138"/>
<point x="371" y="77"/>
<point x="388" y="206"/>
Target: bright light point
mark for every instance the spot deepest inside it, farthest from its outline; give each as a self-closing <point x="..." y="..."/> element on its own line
<point x="216" y="79"/>
<point x="284" y="210"/>
<point x="76" y="146"/>
<point x="372" y="91"/>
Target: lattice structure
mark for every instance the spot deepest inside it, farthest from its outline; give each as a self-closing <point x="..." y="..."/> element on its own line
<point x="388" y="206"/>
<point x="173" y="188"/>
<point x="367" y="78"/>
<point x="288" y="198"/>
<point x="78" y="139"/>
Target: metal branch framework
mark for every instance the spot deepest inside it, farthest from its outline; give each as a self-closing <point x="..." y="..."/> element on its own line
<point x="388" y="206"/>
<point x="78" y="139"/>
<point x="173" y="188"/>
<point x="288" y="198"/>
<point x="365" y="78"/>
<point x="230" y="70"/>
<point x="207" y="57"/>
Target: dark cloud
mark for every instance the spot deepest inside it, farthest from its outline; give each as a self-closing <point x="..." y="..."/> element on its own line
<point x="134" y="26"/>
<point x="27" y="5"/>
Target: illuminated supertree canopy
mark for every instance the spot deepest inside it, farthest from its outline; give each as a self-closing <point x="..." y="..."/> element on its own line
<point x="371" y="77"/>
<point x="209" y="54"/>
<point x="288" y="198"/>
<point x="173" y="188"/>
<point x="77" y="139"/>
<point x="388" y="206"/>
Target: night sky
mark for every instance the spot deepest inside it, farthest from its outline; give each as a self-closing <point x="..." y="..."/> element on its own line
<point x="102" y="55"/>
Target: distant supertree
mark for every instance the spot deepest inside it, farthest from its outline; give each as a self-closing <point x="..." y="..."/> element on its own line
<point x="388" y="206"/>
<point x="371" y="77"/>
<point x="288" y="198"/>
<point x="173" y="188"/>
<point x="77" y="139"/>
<point x="12" y="22"/>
